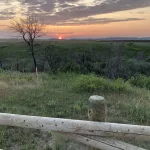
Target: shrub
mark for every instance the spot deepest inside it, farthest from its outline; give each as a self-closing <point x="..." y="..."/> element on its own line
<point x="138" y="67"/>
<point x="141" y="81"/>
<point x="120" y="85"/>
<point x="72" y="67"/>
<point x="1" y="70"/>
<point x="91" y="83"/>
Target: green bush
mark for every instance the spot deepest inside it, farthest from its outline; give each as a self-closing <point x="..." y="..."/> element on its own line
<point x="141" y="81"/>
<point x="1" y="70"/>
<point x="120" y="85"/>
<point x="91" y="83"/>
<point x="136" y="67"/>
<point x="71" y="67"/>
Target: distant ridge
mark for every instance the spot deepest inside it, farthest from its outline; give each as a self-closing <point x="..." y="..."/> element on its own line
<point x="125" y="38"/>
<point x="142" y="39"/>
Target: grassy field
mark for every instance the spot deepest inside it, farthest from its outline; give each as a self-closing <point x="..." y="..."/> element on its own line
<point x="65" y="96"/>
<point x="82" y="69"/>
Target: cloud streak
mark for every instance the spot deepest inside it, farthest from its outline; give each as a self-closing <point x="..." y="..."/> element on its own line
<point x="108" y="6"/>
<point x="74" y="12"/>
<point x="91" y="21"/>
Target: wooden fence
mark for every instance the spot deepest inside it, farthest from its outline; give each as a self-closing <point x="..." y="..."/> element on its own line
<point x="97" y="135"/>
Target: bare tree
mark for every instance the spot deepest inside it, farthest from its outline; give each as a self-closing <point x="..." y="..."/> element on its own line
<point x="30" y="28"/>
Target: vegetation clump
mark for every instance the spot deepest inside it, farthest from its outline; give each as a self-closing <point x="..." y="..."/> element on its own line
<point x="141" y="81"/>
<point x="91" y="83"/>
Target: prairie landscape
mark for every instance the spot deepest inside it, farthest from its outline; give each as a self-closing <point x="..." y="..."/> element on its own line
<point x="55" y="55"/>
<point x="77" y="69"/>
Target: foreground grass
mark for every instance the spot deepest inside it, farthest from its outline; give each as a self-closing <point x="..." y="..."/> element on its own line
<point x="55" y="97"/>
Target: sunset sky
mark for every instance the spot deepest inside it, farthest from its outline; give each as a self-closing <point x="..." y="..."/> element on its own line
<point x="81" y="18"/>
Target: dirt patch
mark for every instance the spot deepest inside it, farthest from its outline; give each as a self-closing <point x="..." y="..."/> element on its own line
<point x="3" y="85"/>
<point x="25" y="86"/>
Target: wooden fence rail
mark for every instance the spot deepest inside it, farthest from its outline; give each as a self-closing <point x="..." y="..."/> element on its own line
<point x="76" y="126"/>
<point x="96" y="134"/>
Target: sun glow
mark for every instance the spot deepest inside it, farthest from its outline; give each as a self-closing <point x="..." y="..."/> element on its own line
<point x="59" y="37"/>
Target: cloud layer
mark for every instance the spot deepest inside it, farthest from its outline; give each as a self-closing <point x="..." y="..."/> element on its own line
<point x="72" y="12"/>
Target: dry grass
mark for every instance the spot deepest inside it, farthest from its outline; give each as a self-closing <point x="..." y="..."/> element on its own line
<point x="3" y="89"/>
<point x="3" y="85"/>
<point x="54" y="97"/>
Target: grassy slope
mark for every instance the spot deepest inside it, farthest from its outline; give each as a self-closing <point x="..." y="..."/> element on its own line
<point x="54" y="97"/>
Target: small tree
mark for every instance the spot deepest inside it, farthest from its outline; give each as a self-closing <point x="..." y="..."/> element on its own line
<point x="54" y="60"/>
<point x="30" y="28"/>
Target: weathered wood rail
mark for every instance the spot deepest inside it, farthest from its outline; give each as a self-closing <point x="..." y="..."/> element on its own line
<point x="95" y="134"/>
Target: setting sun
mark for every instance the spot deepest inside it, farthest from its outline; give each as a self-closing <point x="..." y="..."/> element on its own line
<point x="60" y="38"/>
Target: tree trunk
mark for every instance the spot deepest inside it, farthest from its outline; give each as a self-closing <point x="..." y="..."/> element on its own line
<point x="34" y="59"/>
<point x="33" y="53"/>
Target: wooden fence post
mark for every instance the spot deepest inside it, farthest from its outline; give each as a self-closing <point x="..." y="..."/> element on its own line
<point x="97" y="110"/>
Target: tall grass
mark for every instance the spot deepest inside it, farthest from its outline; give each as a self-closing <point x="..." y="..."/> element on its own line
<point x="65" y="96"/>
<point x="141" y="81"/>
